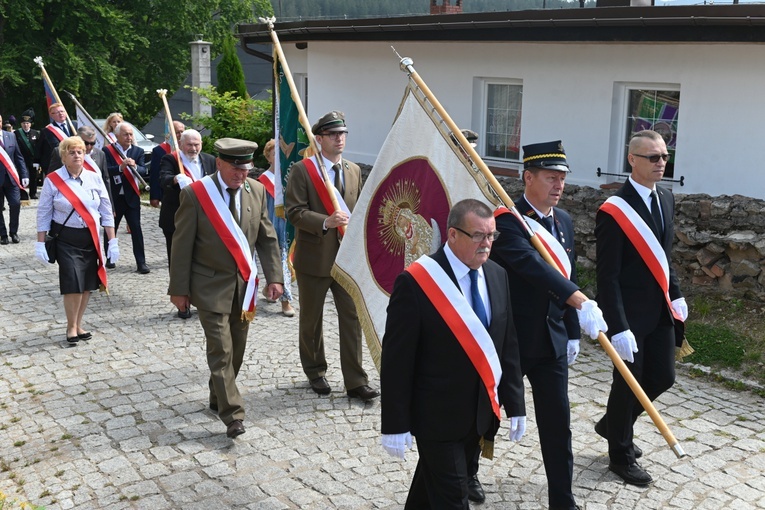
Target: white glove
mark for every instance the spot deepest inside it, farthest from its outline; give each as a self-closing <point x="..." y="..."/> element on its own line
<point x="183" y="180"/>
<point x="625" y="345"/>
<point x="41" y="253"/>
<point x="113" y="250"/>
<point x="681" y="308"/>
<point x="591" y="319"/>
<point x="396" y="444"/>
<point x="24" y="182"/>
<point x="517" y="428"/>
<point x="572" y="350"/>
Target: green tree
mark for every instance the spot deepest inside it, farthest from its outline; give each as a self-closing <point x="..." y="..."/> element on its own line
<point x="230" y="73"/>
<point x="236" y="117"/>
<point x="112" y="55"/>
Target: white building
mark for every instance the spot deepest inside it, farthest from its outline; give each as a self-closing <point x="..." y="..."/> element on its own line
<point x="589" y="77"/>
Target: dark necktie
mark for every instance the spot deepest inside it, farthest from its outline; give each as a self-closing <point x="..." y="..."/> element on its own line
<point x="232" y="204"/>
<point x="64" y="129"/>
<point x="547" y="221"/>
<point x="478" y="307"/>
<point x="657" y="215"/>
<point x="338" y="179"/>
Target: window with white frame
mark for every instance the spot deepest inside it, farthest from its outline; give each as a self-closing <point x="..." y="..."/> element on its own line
<point x="655" y="109"/>
<point x="502" y="124"/>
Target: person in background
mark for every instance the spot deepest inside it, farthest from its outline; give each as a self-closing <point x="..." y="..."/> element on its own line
<point x="73" y="205"/>
<point x="27" y="139"/>
<point x="155" y="189"/>
<point x="109" y="126"/>
<point x="13" y="177"/>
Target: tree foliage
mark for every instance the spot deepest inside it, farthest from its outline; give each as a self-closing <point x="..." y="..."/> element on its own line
<point x="236" y="117"/>
<point x="112" y="55"/>
<point x="230" y="73"/>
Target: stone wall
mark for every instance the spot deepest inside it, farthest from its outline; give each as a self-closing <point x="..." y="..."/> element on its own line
<point x="719" y="244"/>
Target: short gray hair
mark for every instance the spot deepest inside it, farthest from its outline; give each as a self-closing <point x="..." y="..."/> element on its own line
<point x="86" y="132"/>
<point x="189" y="132"/>
<point x="118" y="127"/>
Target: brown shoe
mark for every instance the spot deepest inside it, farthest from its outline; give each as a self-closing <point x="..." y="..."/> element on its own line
<point x="235" y="428"/>
<point x="364" y="392"/>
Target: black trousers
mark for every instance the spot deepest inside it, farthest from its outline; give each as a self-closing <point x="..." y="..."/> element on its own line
<point x="132" y="215"/>
<point x="440" y="479"/>
<point x="10" y="191"/>
<point x="654" y="369"/>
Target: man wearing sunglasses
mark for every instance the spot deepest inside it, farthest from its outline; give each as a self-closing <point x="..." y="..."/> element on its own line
<point x="548" y="307"/>
<point x="640" y="295"/>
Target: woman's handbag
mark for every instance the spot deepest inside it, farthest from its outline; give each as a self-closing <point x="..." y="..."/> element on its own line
<point x="50" y="241"/>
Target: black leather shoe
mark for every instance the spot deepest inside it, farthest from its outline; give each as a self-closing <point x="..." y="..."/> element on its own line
<point x="320" y="386"/>
<point x="214" y="408"/>
<point x="110" y="264"/>
<point x="4" y="240"/>
<point x="363" y="392"/>
<point x="633" y="474"/>
<point x="235" y="428"/>
<point x="85" y="336"/>
<point x="15" y="239"/>
<point x="143" y="269"/>
<point x="475" y="490"/>
<point x="184" y="314"/>
<point x="601" y="428"/>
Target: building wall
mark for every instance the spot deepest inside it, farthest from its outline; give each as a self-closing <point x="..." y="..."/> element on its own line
<point x="570" y="92"/>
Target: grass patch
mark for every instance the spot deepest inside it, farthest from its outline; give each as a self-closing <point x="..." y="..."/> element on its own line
<point x="714" y="345"/>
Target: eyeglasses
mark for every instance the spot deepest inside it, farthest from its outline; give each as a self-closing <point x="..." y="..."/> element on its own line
<point x="89" y="144"/>
<point x="335" y="135"/>
<point x="654" y="158"/>
<point x="480" y="236"/>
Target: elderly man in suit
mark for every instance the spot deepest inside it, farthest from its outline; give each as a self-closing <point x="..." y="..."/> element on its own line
<point x="27" y="139"/>
<point x="634" y="231"/>
<point x="450" y="360"/>
<point x="126" y="195"/>
<point x="13" y="177"/>
<point x="317" y="240"/>
<point x="221" y="220"/>
<point x="196" y="164"/>
<point x="548" y="307"/>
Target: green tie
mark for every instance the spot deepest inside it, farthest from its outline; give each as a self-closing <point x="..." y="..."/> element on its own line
<point x="232" y="204"/>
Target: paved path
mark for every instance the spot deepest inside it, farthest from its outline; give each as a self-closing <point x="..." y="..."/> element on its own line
<point x="120" y="421"/>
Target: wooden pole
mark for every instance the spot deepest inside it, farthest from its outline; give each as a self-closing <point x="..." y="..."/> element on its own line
<point x="163" y="94"/>
<point x="303" y="118"/>
<point x="406" y="66"/>
<point x="39" y="62"/>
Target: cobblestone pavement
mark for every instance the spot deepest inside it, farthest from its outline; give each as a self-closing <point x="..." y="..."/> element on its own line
<point x="120" y="421"/>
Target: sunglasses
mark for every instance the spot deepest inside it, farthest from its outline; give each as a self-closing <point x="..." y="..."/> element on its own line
<point x="89" y="144"/>
<point x="655" y="158"/>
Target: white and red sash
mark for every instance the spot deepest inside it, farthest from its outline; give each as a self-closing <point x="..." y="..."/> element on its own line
<point x="57" y="132"/>
<point x="186" y="169"/>
<point x="5" y="160"/>
<point x="166" y="147"/>
<point x="267" y="180"/>
<point x="318" y="182"/>
<point x="90" y="164"/>
<point x="87" y="216"/>
<point x="549" y="241"/>
<point x="233" y="238"/>
<point x="111" y="138"/>
<point x="132" y="179"/>
<point x="459" y="316"/>
<point x="645" y="242"/>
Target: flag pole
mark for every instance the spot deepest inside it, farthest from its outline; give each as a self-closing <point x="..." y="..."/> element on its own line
<point x="163" y="94"/>
<point x="303" y="118"/>
<point x="39" y="62"/>
<point x="101" y="131"/>
<point x="406" y="65"/>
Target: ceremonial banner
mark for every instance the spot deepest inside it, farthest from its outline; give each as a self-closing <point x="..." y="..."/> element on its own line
<point x="50" y="98"/>
<point x="401" y="213"/>
<point x="83" y="119"/>
<point x="291" y="142"/>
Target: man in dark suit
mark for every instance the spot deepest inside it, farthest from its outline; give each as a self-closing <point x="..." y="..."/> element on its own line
<point x="9" y="187"/>
<point x="125" y="191"/>
<point x="432" y="388"/>
<point x="27" y="141"/>
<point x="196" y="165"/>
<point x="205" y="272"/>
<point x="545" y="302"/>
<point x="640" y="315"/>
<point x="58" y="129"/>
<point x="157" y="153"/>
<point x="317" y="241"/>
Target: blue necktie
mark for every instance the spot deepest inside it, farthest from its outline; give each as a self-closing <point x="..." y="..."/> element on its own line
<point x="547" y="221"/>
<point x="478" y="307"/>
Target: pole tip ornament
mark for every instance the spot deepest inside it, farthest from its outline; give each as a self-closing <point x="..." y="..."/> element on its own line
<point x="405" y="64"/>
<point x="268" y="21"/>
<point x="39" y="61"/>
<point x="161" y="92"/>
